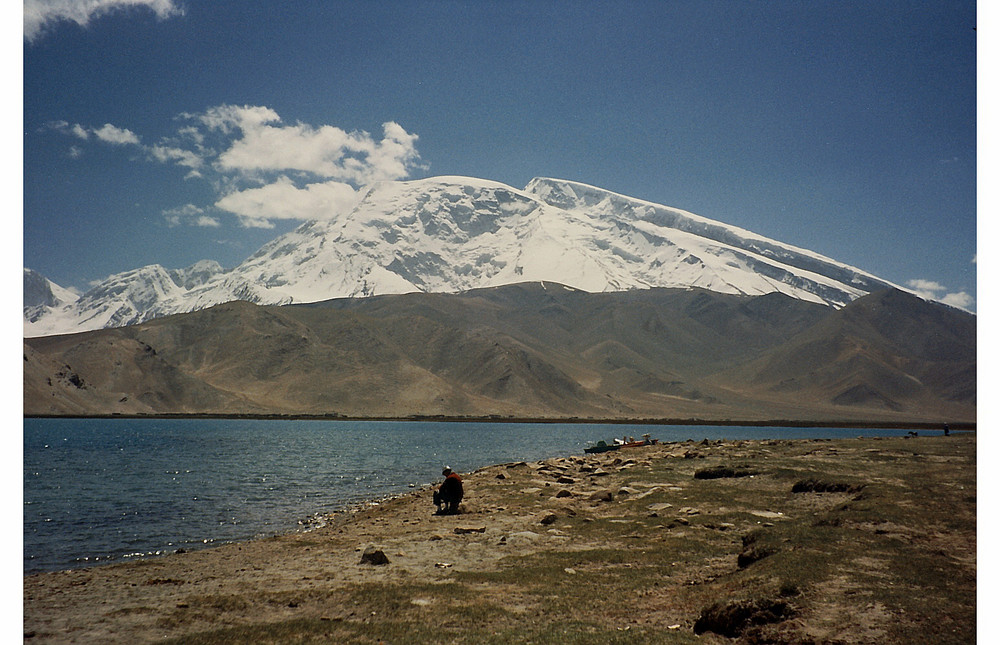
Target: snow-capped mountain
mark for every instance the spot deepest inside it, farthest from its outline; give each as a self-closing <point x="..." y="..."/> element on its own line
<point x="39" y="291"/>
<point x="448" y="234"/>
<point x="42" y="297"/>
<point x="121" y="299"/>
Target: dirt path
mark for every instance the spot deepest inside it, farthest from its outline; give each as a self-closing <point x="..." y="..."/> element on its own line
<point x="535" y="541"/>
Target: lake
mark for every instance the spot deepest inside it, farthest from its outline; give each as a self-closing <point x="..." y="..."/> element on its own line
<point x="104" y="490"/>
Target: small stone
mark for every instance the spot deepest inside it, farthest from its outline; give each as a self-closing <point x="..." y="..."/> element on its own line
<point x="564" y="493"/>
<point x="374" y="556"/>
<point x="603" y="496"/>
<point x="566" y="480"/>
<point x="549" y="519"/>
<point x="462" y="530"/>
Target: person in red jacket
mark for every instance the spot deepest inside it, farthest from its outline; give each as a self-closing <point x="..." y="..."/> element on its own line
<point x="449" y="495"/>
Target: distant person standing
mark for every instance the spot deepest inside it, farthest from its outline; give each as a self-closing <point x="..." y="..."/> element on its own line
<point x="946" y="430"/>
<point x="449" y="495"/>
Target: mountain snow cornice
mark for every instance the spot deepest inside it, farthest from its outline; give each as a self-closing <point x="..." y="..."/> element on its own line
<point x="449" y="234"/>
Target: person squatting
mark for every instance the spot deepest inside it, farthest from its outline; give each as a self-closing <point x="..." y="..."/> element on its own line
<point x="449" y="495"/>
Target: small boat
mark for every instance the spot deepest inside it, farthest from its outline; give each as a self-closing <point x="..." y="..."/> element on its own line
<point x="601" y="446"/>
<point x="630" y="442"/>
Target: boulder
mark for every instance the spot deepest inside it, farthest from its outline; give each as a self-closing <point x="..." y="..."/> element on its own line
<point x="374" y="556"/>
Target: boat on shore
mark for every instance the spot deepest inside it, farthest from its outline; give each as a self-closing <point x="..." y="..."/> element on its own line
<point x="624" y="442"/>
<point x="601" y="446"/>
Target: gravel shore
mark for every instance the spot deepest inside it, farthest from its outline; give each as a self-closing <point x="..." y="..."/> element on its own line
<point x="795" y="541"/>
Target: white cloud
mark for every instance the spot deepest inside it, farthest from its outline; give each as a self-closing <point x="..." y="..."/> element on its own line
<point x="180" y="156"/>
<point x="931" y="290"/>
<point x="229" y="117"/>
<point x="267" y="170"/>
<point x="326" y="151"/>
<point x="111" y="134"/>
<point x="960" y="299"/>
<point x="192" y="133"/>
<point x="396" y="154"/>
<point x="189" y="214"/>
<point x="256" y="207"/>
<point x="926" y="288"/>
<point x="39" y="15"/>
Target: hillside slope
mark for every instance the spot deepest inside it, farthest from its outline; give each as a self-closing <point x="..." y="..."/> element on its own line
<point x="526" y="350"/>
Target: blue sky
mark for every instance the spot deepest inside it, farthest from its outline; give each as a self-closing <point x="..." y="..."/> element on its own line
<point x="176" y="130"/>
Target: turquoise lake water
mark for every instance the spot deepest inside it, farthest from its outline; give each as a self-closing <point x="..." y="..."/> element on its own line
<point x="99" y="491"/>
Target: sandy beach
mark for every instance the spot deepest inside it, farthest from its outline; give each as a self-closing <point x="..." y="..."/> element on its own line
<point x="832" y="541"/>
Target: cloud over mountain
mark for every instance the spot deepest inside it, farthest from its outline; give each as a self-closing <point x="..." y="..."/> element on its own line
<point x="264" y="169"/>
<point x="932" y="290"/>
<point x="282" y="199"/>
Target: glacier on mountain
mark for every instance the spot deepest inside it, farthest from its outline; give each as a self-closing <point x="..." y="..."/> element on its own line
<point x="448" y="234"/>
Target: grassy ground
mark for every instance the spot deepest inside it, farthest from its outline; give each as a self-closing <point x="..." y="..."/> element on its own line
<point x="699" y="543"/>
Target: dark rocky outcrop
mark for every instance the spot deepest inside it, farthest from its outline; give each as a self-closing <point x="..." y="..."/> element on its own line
<point x="733" y="619"/>
<point x="816" y="486"/>
<point x="721" y="472"/>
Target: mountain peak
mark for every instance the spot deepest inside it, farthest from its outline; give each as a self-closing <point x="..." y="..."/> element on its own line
<point x="450" y="234"/>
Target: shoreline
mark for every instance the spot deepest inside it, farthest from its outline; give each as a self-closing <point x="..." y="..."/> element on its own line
<point x="533" y="538"/>
<point x="770" y="423"/>
<point x="315" y="521"/>
<point x="319" y="519"/>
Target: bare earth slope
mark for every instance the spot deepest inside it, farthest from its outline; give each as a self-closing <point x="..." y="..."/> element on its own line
<point x="533" y="350"/>
<point x="848" y="541"/>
